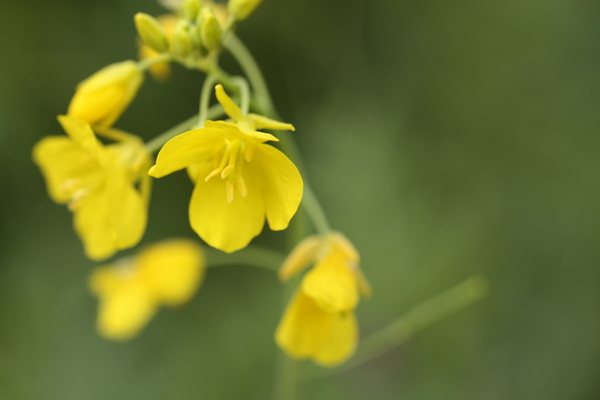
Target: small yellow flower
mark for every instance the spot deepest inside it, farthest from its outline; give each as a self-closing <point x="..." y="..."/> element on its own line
<point x="239" y="180"/>
<point x="160" y="71"/>
<point x="98" y="184"/>
<point x="101" y="99"/>
<point x="131" y="290"/>
<point x="319" y="322"/>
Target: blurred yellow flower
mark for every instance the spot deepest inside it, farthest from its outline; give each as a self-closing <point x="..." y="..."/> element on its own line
<point x="101" y="99"/>
<point x="319" y="322"/>
<point x="131" y="290"/>
<point x="98" y="184"/>
<point x="239" y="180"/>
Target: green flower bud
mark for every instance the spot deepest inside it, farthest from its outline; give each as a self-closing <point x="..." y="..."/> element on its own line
<point x="151" y="32"/>
<point x="182" y="43"/>
<point x="242" y="9"/>
<point x="210" y="30"/>
<point x="191" y="8"/>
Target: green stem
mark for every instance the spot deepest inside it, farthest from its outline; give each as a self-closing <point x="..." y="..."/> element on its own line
<point x="258" y="257"/>
<point x="251" y="69"/>
<point x="149" y="62"/>
<point x="156" y="143"/>
<point x="416" y="320"/>
<point x="242" y="85"/>
<point x="207" y="89"/>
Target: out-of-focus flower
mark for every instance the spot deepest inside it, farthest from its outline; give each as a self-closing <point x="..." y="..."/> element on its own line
<point x="101" y="99"/>
<point x="98" y="183"/>
<point x="319" y="322"/>
<point x="239" y="180"/>
<point x="131" y="290"/>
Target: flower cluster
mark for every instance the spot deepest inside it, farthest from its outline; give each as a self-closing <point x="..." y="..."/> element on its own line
<point x="241" y="180"/>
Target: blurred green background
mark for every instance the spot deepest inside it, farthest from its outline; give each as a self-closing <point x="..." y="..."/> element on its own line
<point x="444" y="139"/>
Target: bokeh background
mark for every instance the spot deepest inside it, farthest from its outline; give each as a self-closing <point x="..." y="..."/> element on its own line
<point x="444" y="138"/>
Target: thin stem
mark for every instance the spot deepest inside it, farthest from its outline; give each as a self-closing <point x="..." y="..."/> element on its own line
<point x="149" y="62"/>
<point x="207" y="89"/>
<point x="315" y="211"/>
<point x="156" y="143"/>
<point x="251" y="69"/>
<point x="116" y="134"/>
<point x="242" y="84"/>
<point x="414" y="321"/>
<point x="258" y="257"/>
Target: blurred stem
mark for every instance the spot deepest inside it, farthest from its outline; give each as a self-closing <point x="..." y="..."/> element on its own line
<point x="149" y="62"/>
<point x="251" y="69"/>
<point x="414" y="321"/>
<point x="265" y="106"/>
<point x="156" y="143"/>
<point x="286" y="375"/>
<point x="259" y="257"/>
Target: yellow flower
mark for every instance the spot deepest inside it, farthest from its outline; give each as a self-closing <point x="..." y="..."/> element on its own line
<point x="319" y="322"/>
<point x="160" y="71"/>
<point x="101" y="99"/>
<point x="131" y="290"/>
<point x="239" y="180"/>
<point x="98" y="184"/>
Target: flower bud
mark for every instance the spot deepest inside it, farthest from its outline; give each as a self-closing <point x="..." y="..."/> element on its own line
<point x="102" y="98"/>
<point x="242" y="9"/>
<point x="210" y="30"/>
<point x="182" y="43"/>
<point x="151" y="32"/>
<point x="191" y="8"/>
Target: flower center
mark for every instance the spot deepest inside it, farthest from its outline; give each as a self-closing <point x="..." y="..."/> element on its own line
<point x="229" y="162"/>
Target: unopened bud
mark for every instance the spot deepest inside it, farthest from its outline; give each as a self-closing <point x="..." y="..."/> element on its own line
<point x="191" y="8"/>
<point x="242" y="9"/>
<point x="210" y="30"/>
<point x="151" y="32"/>
<point x="182" y="43"/>
<point x="102" y="98"/>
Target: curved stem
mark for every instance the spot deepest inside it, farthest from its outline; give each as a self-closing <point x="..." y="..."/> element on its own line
<point x="242" y="84"/>
<point x="156" y="143"/>
<point x="258" y="257"/>
<point x="251" y="69"/>
<point x="149" y="62"/>
<point x="207" y="88"/>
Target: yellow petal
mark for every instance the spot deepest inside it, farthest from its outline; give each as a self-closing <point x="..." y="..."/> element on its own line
<point x="64" y="165"/>
<point x="126" y="210"/>
<point x="306" y="331"/>
<point x="304" y="254"/>
<point x="125" y="311"/>
<point x="262" y="122"/>
<point x="281" y="185"/>
<point x="332" y="284"/>
<point x="189" y="148"/>
<point x="82" y="134"/>
<point x="230" y="107"/>
<point x="226" y="226"/>
<point x="172" y="269"/>
<point x="341" y="243"/>
<point x="104" y="280"/>
<point x="93" y="226"/>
